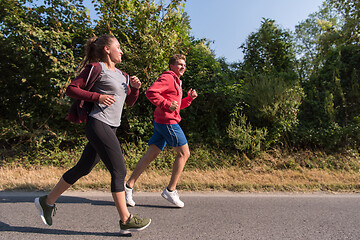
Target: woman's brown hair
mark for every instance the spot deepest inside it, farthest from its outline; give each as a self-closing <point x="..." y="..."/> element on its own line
<point x="94" y="49"/>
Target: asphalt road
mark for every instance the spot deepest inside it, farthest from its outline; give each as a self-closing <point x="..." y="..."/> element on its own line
<point x="92" y="215"/>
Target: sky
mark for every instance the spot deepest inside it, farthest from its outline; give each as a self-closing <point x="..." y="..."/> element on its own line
<point x="228" y="23"/>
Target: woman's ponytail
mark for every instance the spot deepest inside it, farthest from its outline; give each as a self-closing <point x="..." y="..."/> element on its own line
<point x="94" y="49"/>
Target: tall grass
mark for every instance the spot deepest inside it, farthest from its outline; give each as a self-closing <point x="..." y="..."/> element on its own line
<point x="202" y="158"/>
<point x="207" y="169"/>
<point x="230" y="179"/>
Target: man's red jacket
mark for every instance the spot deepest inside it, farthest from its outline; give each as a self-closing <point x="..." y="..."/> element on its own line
<point x="166" y="89"/>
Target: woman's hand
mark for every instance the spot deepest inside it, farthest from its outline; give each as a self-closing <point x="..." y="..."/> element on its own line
<point x="135" y="82"/>
<point x="106" y="99"/>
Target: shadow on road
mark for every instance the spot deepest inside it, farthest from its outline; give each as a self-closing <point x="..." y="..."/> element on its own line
<point x="77" y="199"/>
<point x="8" y="228"/>
<point x="155" y="206"/>
<point x="62" y="199"/>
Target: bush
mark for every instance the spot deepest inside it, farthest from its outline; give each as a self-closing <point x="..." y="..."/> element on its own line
<point x="243" y="137"/>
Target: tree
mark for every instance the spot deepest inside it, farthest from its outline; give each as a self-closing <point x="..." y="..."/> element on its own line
<point x="39" y="51"/>
<point x="207" y="118"/>
<point x="349" y="10"/>
<point x="149" y="33"/>
<point x="271" y="92"/>
<point x="329" y="112"/>
<point x="309" y="34"/>
<point x="269" y="50"/>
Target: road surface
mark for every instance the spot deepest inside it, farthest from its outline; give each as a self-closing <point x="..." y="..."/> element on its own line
<point x="92" y="215"/>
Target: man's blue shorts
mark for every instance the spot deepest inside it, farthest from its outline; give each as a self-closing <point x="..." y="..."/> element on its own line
<point x="170" y="134"/>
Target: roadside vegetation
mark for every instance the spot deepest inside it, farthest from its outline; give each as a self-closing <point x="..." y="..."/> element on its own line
<point x="284" y="118"/>
<point x="305" y="171"/>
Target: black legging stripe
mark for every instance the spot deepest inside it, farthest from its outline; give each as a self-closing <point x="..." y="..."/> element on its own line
<point x="103" y="144"/>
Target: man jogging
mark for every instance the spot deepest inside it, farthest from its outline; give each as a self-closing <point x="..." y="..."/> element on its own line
<point x="166" y="94"/>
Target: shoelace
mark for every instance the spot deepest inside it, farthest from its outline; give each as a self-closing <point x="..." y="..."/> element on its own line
<point x="175" y="195"/>
<point x="136" y="219"/>
<point x="54" y="210"/>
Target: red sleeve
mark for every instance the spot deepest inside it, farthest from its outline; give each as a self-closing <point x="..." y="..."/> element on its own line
<point x="132" y="97"/>
<point x="185" y="102"/>
<point x="76" y="87"/>
<point x="154" y="93"/>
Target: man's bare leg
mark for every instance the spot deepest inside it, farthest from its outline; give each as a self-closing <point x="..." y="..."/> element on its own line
<point x="183" y="154"/>
<point x="150" y="155"/>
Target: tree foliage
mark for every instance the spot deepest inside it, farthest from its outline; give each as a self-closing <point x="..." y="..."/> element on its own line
<point x="271" y="92"/>
<point x="149" y="33"/>
<point x="39" y="51"/>
<point x="38" y="55"/>
<point x="269" y="50"/>
<point x="291" y="89"/>
<point x="329" y="114"/>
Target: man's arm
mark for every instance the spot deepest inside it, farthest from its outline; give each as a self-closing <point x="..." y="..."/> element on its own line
<point x="185" y="102"/>
<point x="154" y="93"/>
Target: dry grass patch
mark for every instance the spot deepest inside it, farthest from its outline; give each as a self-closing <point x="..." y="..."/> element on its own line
<point x="229" y="179"/>
<point x="276" y="180"/>
<point x="45" y="178"/>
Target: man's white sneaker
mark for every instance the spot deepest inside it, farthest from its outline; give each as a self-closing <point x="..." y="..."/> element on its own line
<point x="129" y="196"/>
<point x="172" y="197"/>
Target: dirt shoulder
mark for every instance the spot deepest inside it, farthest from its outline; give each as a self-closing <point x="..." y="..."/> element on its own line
<point x="229" y="179"/>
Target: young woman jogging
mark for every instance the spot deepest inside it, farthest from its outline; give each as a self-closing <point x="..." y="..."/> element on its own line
<point x="106" y="89"/>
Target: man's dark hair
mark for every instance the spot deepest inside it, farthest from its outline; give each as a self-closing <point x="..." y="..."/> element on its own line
<point x="173" y="59"/>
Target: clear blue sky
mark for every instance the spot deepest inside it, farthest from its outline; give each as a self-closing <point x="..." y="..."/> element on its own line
<point x="229" y="22"/>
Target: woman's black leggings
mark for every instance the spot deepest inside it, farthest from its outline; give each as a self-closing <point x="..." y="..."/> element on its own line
<point x="103" y="144"/>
